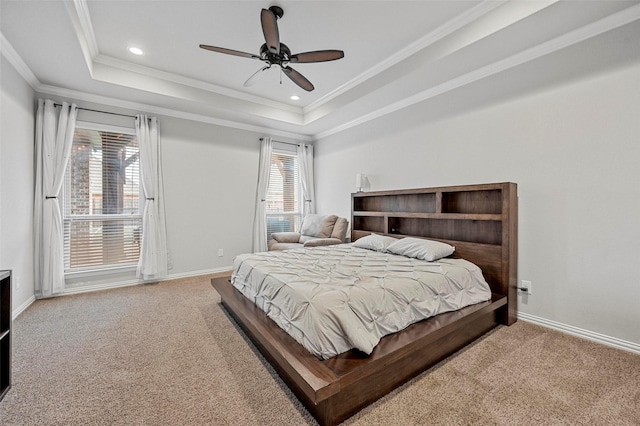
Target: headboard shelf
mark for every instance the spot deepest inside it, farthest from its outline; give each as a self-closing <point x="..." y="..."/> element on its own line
<point x="476" y="231"/>
<point x="486" y="201"/>
<point x="468" y="216"/>
<point x="415" y="203"/>
<point x="479" y="220"/>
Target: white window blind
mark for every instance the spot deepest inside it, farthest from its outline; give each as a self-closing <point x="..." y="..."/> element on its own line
<point x="102" y="220"/>
<point x="284" y="211"/>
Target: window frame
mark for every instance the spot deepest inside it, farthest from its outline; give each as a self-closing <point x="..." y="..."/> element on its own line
<point x="288" y="149"/>
<point x="89" y="271"/>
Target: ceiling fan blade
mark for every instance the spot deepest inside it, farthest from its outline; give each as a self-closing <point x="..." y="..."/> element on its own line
<point x="256" y="76"/>
<point x="270" y="30"/>
<point x="298" y="78"/>
<point x="229" y="51"/>
<point x="317" y="56"/>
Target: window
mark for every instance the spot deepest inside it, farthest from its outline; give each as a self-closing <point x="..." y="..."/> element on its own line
<point x="284" y="199"/>
<point x="102" y="219"/>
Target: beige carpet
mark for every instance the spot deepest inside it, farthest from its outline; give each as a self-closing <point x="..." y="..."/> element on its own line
<point x="168" y="354"/>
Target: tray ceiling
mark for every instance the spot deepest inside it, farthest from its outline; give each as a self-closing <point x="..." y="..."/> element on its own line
<point x="397" y="53"/>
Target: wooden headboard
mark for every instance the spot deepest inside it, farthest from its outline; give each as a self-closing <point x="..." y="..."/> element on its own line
<point x="480" y="221"/>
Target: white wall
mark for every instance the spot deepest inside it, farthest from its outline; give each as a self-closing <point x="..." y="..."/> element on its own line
<point x="211" y="174"/>
<point x="574" y="152"/>
<point x="17" y="182"/>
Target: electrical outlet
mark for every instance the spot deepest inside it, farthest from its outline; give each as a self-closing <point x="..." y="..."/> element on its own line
<point x="220" y="252"/>
<point x="525" y="287"/>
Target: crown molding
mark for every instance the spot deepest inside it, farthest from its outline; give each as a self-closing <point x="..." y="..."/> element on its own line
<point x="152" y="109"/>
<point x="197" y="84"/>
<point x="82" y="10"/>
<point x="16" y="61"/>
<point x="469" y="27"/>
<point x="7" y="50"/>
<point x="578" y="35"/>
<point x="438" y="34"/>
<point x="78" y="12"/>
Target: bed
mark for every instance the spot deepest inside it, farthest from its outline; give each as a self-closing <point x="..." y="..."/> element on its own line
<point x="480" y="221"/>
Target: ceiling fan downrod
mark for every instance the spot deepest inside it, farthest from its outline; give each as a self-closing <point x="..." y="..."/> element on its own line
<point x="277" y="11"/>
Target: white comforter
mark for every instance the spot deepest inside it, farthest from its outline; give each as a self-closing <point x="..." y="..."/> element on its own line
<point x="335" y="298"/>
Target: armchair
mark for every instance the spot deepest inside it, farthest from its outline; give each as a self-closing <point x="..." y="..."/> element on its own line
<point x="316" y="230"/>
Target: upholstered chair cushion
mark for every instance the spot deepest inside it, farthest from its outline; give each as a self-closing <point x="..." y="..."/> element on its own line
<point x="316" y="242"/>
<point x="319" y="226"/>
<point x="274" y="245"/>
<point x="340" y="229"/>
<point x="286" y="237"/>
<point x="316" y="230"/>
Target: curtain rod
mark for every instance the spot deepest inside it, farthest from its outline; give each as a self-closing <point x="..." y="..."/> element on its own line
<point x="103" y="112"/>
<point x="286" y="143"/>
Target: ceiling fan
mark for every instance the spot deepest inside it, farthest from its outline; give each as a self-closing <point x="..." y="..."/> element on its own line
<point x="273" y="52"/>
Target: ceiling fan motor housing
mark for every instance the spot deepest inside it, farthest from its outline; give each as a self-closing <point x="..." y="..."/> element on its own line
<point x="273" y="58"/>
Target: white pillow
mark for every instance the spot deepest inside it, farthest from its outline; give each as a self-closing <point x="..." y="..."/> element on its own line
<point x="374" y="242"/>
<point x="428" y="250"/>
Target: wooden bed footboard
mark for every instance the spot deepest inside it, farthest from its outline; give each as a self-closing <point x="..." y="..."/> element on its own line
<point x="334" y="389"/>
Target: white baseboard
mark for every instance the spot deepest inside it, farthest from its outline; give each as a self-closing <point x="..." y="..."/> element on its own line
<point x="580" y="332"/>
<point x="197" y="273"/>
<point x="569" y="329"/>
<point x="20" y="309"/>
<point x="97" y="287"/>
<point x="127" y="283"/>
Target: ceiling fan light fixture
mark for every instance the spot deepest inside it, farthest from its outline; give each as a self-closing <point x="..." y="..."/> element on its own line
<point x="294" y="97"/>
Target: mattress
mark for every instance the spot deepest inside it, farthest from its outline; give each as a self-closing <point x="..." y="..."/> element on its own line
<point x="331" y="299"/>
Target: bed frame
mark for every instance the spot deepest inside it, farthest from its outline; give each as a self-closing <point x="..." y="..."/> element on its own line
<point x="479" y="220"/>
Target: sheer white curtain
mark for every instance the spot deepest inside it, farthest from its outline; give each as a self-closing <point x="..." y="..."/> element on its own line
<point x="54" y="137"/>
<point x="260" y="219"/>
<point x="153" y="248"/>
<point x="305" y="162"/>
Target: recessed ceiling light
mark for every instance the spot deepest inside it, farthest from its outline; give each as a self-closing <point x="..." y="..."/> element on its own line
<point x="136" y="51"/>
<point x="295" y="98"/>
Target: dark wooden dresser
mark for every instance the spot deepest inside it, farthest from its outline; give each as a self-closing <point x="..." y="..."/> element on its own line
<point x="5" y="332"/>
